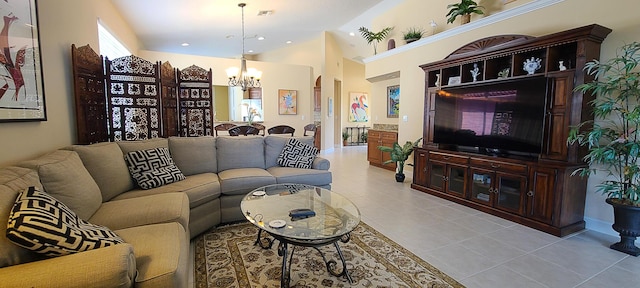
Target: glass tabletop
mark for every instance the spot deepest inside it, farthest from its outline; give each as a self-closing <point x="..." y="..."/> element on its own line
<point x="268" y="207"/>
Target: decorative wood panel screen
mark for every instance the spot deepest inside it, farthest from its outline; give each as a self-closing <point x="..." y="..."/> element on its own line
<point x="195" y="101"/>
<point x="169" y="94"/>
<point x="133" y="98"/>
<point x="130" y="98"/>
<point x="88" y="85"/>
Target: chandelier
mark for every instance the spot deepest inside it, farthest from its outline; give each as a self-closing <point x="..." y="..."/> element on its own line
<point x="243" y="77"/>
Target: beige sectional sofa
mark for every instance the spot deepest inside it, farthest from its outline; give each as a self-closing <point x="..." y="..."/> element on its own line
<point x="156" y="224"/>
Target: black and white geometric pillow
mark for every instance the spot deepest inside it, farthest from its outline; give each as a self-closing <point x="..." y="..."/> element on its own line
<point x="297" y="154"/>
<point x="153" y="168"/>
<point x="41" y="223"/>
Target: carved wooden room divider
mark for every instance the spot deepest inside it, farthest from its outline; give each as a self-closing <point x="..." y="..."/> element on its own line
<point x="196" y="101"/>
<point x="130" y="98"/>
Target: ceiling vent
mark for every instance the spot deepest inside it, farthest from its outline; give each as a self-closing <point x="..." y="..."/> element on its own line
<point x="265" y="12"/>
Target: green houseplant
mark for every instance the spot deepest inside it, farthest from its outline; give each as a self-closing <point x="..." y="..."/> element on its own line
<point x="345" y="136"/>
<point x="413" y="34"/>
<point x="464" y="9"/>
<point x="613" y="140"/>
<point x="376" y="37"/>
<point x="399" y="154"/>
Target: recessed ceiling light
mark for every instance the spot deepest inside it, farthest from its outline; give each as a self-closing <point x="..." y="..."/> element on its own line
<point x="185" y="44"/>
<point x="261" y="38"/>
<point x="352" y="34"/>
<point x="289" y="42"/>
<point x="265" y="12"/>
<point x="229" y="36"/>
<point x="250" y="51"/>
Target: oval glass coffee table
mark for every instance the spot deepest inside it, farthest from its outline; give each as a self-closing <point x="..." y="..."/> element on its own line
<point x="333" y="218"/>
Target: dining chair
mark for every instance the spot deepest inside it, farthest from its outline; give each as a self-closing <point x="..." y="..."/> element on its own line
<point x="223" y="127"/>
<point x="281" y="129"/>
<point x="243" y="130"/>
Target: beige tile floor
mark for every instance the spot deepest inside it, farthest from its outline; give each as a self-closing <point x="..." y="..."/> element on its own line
<point x="475" y="248"/>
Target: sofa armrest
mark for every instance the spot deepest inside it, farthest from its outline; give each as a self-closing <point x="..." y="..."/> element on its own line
<point x="113" y="266"/>
<point x="321" y="163"/>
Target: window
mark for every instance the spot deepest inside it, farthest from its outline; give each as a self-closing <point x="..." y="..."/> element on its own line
<point x="110" y="47"/>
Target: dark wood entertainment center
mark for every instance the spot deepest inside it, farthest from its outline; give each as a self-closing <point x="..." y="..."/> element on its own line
<point x="538" y="192"/>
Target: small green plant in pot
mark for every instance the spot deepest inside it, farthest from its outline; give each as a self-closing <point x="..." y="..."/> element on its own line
<point x="413" y="34"/>
<point x="613" y="140"/>
<point x="399" y="154"/>
<point x="345" y="137"/>
<point x="464" y="9"/>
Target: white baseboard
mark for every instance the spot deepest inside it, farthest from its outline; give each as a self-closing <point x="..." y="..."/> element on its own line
<point x="600" y="226"/>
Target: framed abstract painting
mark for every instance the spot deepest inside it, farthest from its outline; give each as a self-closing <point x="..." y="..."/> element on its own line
<point x="21" y="84"/>
<point x="287" y="102"/>
<point x="359" y="107"/>
<point x="393" y="101"/>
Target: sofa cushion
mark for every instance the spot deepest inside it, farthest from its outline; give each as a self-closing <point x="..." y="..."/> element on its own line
<point x="313" y="177"/>
<point x="145" y="210"/>
<point x="64" y="177"/>
<point x="128" y="146"/>
<point x="200" y="188"/>
<point x="105" y="162"/>
<point x="12" y="181"/>
<point x="241" y="181"/>
<point x="296" y="154"/>
<point x="162" y="252"/>
<point x="273" y="145"/>
<point x="240" y="152"/>
<point x="194" y="155"/>
<point x="41" y="223"/>
<point x="153" y="167"/>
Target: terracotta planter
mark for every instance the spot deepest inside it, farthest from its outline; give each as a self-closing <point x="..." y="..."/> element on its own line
<point x="627" y="223"/>
<point x="464" y="19"/>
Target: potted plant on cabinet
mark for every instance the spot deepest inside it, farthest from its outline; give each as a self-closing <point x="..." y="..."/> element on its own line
<point x="399" y="154"/>
<point x="464" y="9"/>
<point x="376" y="37"/>
<point x="613" y="142"/>
<point x="412" y="34"/>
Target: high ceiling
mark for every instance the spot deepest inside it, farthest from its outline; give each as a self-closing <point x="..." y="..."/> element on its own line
<point x="214" y="27"/>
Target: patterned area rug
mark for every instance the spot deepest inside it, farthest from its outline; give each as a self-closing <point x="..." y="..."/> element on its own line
<point x="227" y="257"/>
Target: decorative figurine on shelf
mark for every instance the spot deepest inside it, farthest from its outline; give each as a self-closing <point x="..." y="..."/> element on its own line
<point x="532" y="65"/>
<point x="437" y="80"/>
<point x="475" y="72"/>
<point x="503" y="74"/>
<point x="561" y="66"/>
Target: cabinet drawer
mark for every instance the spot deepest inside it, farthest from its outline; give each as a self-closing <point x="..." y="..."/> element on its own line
<point x="499" y="165"/>
<point x="390" y="136"/>
<point x="448" y="158"/>
<point x="374" y="134"/>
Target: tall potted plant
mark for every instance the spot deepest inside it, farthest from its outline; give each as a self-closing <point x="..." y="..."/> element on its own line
<point x="399" y="154"/>
<point x="376" y="37"/>
<point x="464" y="9"/>
<point x="614" y="140"/>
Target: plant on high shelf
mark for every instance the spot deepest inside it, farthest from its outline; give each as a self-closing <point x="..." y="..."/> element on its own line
<point x="345" y="136"/>
<point x="464" y="9"/>
<point x="613" y="141"/>
<point x="413" y="34"/>
<point x="399" y="154"/>
<point x="376" y="37"/>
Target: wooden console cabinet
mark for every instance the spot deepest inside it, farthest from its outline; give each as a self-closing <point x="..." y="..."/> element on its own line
<point x="377" y="138"/>
<point x="538" y="192"/>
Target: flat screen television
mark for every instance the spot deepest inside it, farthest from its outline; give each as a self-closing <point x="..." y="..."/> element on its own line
<point x="505" y="118"/>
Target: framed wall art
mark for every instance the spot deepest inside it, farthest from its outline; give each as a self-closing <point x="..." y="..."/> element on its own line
<point x="287" y="102"/>
<point x="21" y="84"/>
<point x="359" y="107"/>
<point x="393" y="101"/>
